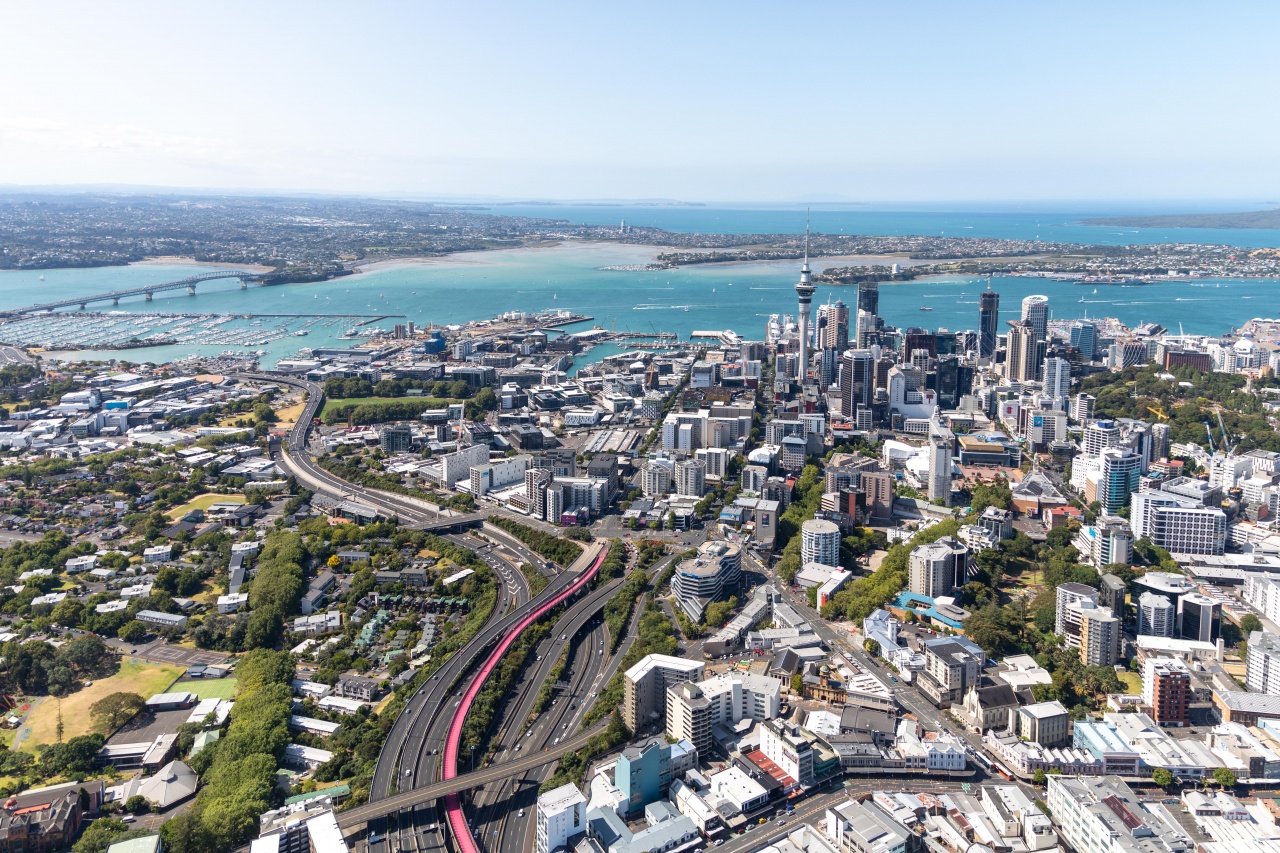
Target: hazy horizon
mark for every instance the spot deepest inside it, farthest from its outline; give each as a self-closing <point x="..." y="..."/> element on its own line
<point x="735" y="103"/>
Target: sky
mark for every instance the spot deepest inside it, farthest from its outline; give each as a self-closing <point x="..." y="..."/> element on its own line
<point x="703" y="101"/>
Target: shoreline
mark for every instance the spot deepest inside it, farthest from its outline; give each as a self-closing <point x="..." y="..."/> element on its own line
<point x="180" y="260"/>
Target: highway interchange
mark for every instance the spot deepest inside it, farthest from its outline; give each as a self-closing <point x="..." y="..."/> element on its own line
<point x="403" y="814"/>
<point x="405" y="784"/>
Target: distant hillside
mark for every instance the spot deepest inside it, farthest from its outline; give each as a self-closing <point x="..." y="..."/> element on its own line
<point x="1254" y="219"/>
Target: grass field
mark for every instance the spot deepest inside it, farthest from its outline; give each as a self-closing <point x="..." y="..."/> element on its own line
<point x="41" y="726"/>
<point x="214" y="688"/>
<point x="204" y="501"/>
<point x="1132" y="683"/>
<point x="339" y="402"/>
<point x="288" y="416"/>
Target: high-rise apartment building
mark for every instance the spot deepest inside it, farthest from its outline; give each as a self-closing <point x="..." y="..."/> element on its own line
<point x="1020" y="359"/>
<point x="562" y="817"/>
<point x="1056" y="378"/>
<point x="644" y="687"/>
<point x="1067" y="619"/>
<point x="1099" y="632"/>
<point x="834" y="322"/>
<point x="1156" y="615"/>
<point x="691" y="478"/>
<point x="1121" y="471"/>
<point x="1100" y="435"/>
<point x="941" y="443"/>
<point x="1166" y="688"/>
<point x="938" y="568"/>
<point x="1082" y="408"/>
<point x="1262" y="665"/>
<point x="819" y="542"/>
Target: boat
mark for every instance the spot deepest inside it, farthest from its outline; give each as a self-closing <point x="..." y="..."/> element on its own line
<point x="301" y="333"/>
<point x="1082" y="298"/>
<point x="925" y="308"/>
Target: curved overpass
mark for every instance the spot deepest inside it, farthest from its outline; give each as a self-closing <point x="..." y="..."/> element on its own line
<point x="453" y="805"/>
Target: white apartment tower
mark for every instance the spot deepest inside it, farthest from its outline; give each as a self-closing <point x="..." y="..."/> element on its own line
<point x="819" y="542"/>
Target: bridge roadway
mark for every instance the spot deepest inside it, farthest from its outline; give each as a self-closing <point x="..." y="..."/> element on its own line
<point x="116" y="295"/>
<point x="355" y="819"/>
<point x="406" y="734"/>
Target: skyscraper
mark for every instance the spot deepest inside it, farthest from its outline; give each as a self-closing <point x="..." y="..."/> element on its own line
<point x="857" y="383"/>
<point x="940" y="457"/>
<point x="988" y="311"/>
<point x="804" y="293"/>
<point x="1084" y="337"/>
<point x="835" y="331"/>
<point x="1020" y="362"/>
<point x="1035" y="310"/>
<point x="869" y="297"/>
<point x="1057" y="380"/>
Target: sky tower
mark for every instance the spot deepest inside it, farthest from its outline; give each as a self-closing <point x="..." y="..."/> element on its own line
<point x="804" y="292"/>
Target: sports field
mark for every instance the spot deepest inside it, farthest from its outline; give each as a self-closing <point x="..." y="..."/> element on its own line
<point x="41" y="725"/>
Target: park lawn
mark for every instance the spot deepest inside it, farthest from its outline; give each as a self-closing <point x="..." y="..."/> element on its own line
<point x="288" y="416"/>
<point x="204" y="501"/>
<point x="213" y="688"/>
<point x="340" y="402"/>
<point x="1132" y="683"/>
<point x="145" y="679"/>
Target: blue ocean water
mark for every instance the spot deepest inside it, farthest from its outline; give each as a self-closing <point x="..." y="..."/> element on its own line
<point x="712" y="297"/>
<point x="1060" y="226"/>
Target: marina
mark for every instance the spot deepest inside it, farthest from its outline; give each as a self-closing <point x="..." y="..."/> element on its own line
<point x="130" y="330"/>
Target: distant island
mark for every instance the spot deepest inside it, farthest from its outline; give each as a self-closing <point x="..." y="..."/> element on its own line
<point x="1252" y="219"/>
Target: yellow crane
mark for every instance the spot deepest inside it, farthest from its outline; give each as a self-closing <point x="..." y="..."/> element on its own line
<point x="1158" y="412"/>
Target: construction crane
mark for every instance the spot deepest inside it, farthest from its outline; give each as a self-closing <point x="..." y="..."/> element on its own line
<point x="1208" y="430"/>
<point x="1158" y="411"/>
<point x="1226" y="443"/>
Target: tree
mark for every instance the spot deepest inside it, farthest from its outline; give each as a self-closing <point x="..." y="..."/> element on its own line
<point x="137" y="804"/>
<point x="132" y="632"/>
<point x="104" y="832"/>
<point x="1161" y="778"/>
<point x="1038" y="778"/>
<point x="872" y="647"/>
<point x="113" y="711"/>
<point x="797" y="684"/>
<point x="1250" y="623"/>
<point x="1224" y="777"/>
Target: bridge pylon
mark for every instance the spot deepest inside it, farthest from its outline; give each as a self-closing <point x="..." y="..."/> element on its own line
<point x="191" y="290"/>
<point x="148" y="295"/>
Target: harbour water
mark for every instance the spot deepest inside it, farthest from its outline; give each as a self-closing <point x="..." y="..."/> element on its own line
<point x="1058" y="225"/>
<point x="570" y="277"/>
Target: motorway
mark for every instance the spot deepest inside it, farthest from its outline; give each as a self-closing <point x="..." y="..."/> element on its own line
<point x="523" y="752"/>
